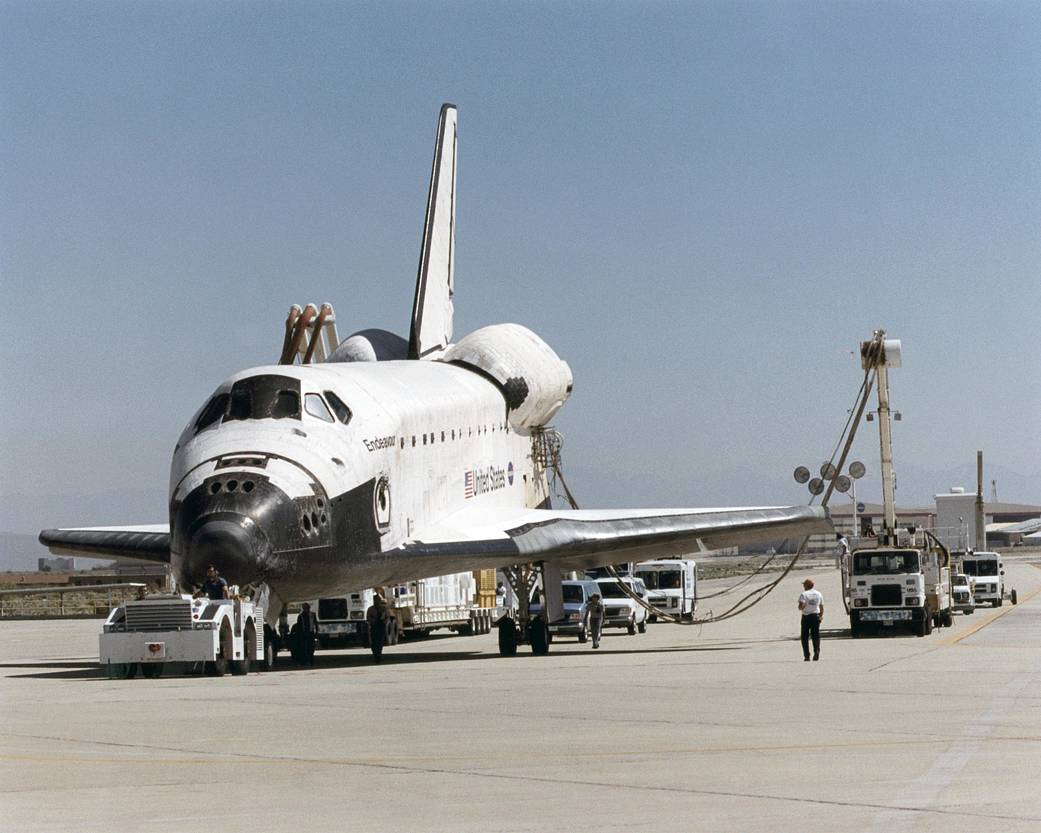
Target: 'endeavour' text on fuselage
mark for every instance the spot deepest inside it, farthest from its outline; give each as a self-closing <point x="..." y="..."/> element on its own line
<point x="380" y="442"/>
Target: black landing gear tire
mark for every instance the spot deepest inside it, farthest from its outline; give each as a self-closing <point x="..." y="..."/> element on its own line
<point x="1013" y="597"/>
<point x="947" y="618"/>
<point x="152" y="670"/>
<point x="538" y="633"/>
<point x="507" y="637"/>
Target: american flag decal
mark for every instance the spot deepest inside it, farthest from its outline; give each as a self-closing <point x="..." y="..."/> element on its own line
<point x="468" y="486"/>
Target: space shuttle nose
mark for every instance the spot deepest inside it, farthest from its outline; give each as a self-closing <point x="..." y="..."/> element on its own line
<point x="234" y="546"/>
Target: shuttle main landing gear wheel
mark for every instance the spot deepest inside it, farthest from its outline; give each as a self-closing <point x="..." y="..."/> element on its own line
<point x="539" y="636"/>
<point x="507" y="636"/>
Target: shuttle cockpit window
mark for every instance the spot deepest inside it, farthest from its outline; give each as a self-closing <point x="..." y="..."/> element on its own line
<point x="343" y="413"/>
<point x="316" y="407"/>
<point x="213" y="411"/>
<point x="265" y="397"/>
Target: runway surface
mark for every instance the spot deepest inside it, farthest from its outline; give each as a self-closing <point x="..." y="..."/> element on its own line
<point x="721" y="727"/>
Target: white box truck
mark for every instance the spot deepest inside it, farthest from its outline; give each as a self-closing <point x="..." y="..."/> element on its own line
<point x="988" y="572"/>
<point x="672" y="585"/>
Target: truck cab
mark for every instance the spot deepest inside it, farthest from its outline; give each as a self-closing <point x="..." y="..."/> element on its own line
<point x="988" y="572"/>
<point x="908" y="585"/>
<point x="672" y="585"/>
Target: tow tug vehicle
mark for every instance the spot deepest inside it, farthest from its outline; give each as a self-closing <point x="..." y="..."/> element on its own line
<point x="152" y="633"/>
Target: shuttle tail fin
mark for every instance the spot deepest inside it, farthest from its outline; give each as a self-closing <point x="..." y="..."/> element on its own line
<point x="435" y="283"/>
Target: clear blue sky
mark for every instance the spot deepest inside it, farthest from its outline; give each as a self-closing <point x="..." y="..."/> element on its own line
<point x="703" y="207"/>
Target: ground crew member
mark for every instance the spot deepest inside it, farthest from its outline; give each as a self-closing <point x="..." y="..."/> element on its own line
<point x="841" y="549"/>
<point x="811" y="603"/>
<point x="595" y="609"/>
<point x="306" y="633"/>
<point x="377" y="617"/>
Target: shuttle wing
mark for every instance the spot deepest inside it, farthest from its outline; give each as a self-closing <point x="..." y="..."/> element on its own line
<point x="432" y="308"/>
<point x="581" y="539"/>
<point x="147" y="543"/>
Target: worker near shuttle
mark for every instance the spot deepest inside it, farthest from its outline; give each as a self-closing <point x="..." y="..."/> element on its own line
<point x="811" y="603"/>
<point x="376" y="617"/>
<point x="595" y="609"/>
<point x="307" y="632"/>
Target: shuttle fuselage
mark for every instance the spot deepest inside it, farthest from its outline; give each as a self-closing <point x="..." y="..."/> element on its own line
<point x="300" y="499"/>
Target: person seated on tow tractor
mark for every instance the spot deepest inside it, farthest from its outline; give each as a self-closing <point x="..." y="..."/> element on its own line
<point x="214" y="587"/>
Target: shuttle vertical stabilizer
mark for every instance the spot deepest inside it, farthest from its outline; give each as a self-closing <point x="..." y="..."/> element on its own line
<point x="435" y="284"/>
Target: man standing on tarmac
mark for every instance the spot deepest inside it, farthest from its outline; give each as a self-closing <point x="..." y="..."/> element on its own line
<point x="376" y="618"/>
<point x="595" y="608"/>
<point x="307" y="633"/>
<point x="811" y="603"/>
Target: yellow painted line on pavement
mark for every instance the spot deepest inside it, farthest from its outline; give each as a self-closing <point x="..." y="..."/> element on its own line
<point x="997" y="613"/>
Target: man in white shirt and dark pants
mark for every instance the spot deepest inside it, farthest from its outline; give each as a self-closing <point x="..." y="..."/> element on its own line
<point x="811" y="603"/>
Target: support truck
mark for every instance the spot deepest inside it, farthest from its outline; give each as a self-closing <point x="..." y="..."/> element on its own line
<point x="463" y="602"/>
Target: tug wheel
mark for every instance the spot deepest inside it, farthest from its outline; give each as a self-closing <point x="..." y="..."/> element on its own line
<point x="241" y="667"/>
<point x="270" y="651"/>
<point x="219" y="666"/>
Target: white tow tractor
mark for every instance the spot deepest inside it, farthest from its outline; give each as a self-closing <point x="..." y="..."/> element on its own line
<point x="149" y="634"/>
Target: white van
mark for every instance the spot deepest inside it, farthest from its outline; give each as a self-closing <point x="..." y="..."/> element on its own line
<point x="620" y="611"/>
<point x="672" y="585"/>
<point x="987" y="573"/>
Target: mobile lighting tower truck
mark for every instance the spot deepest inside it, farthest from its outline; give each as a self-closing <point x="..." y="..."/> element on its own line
<point x="905" y="578"/>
